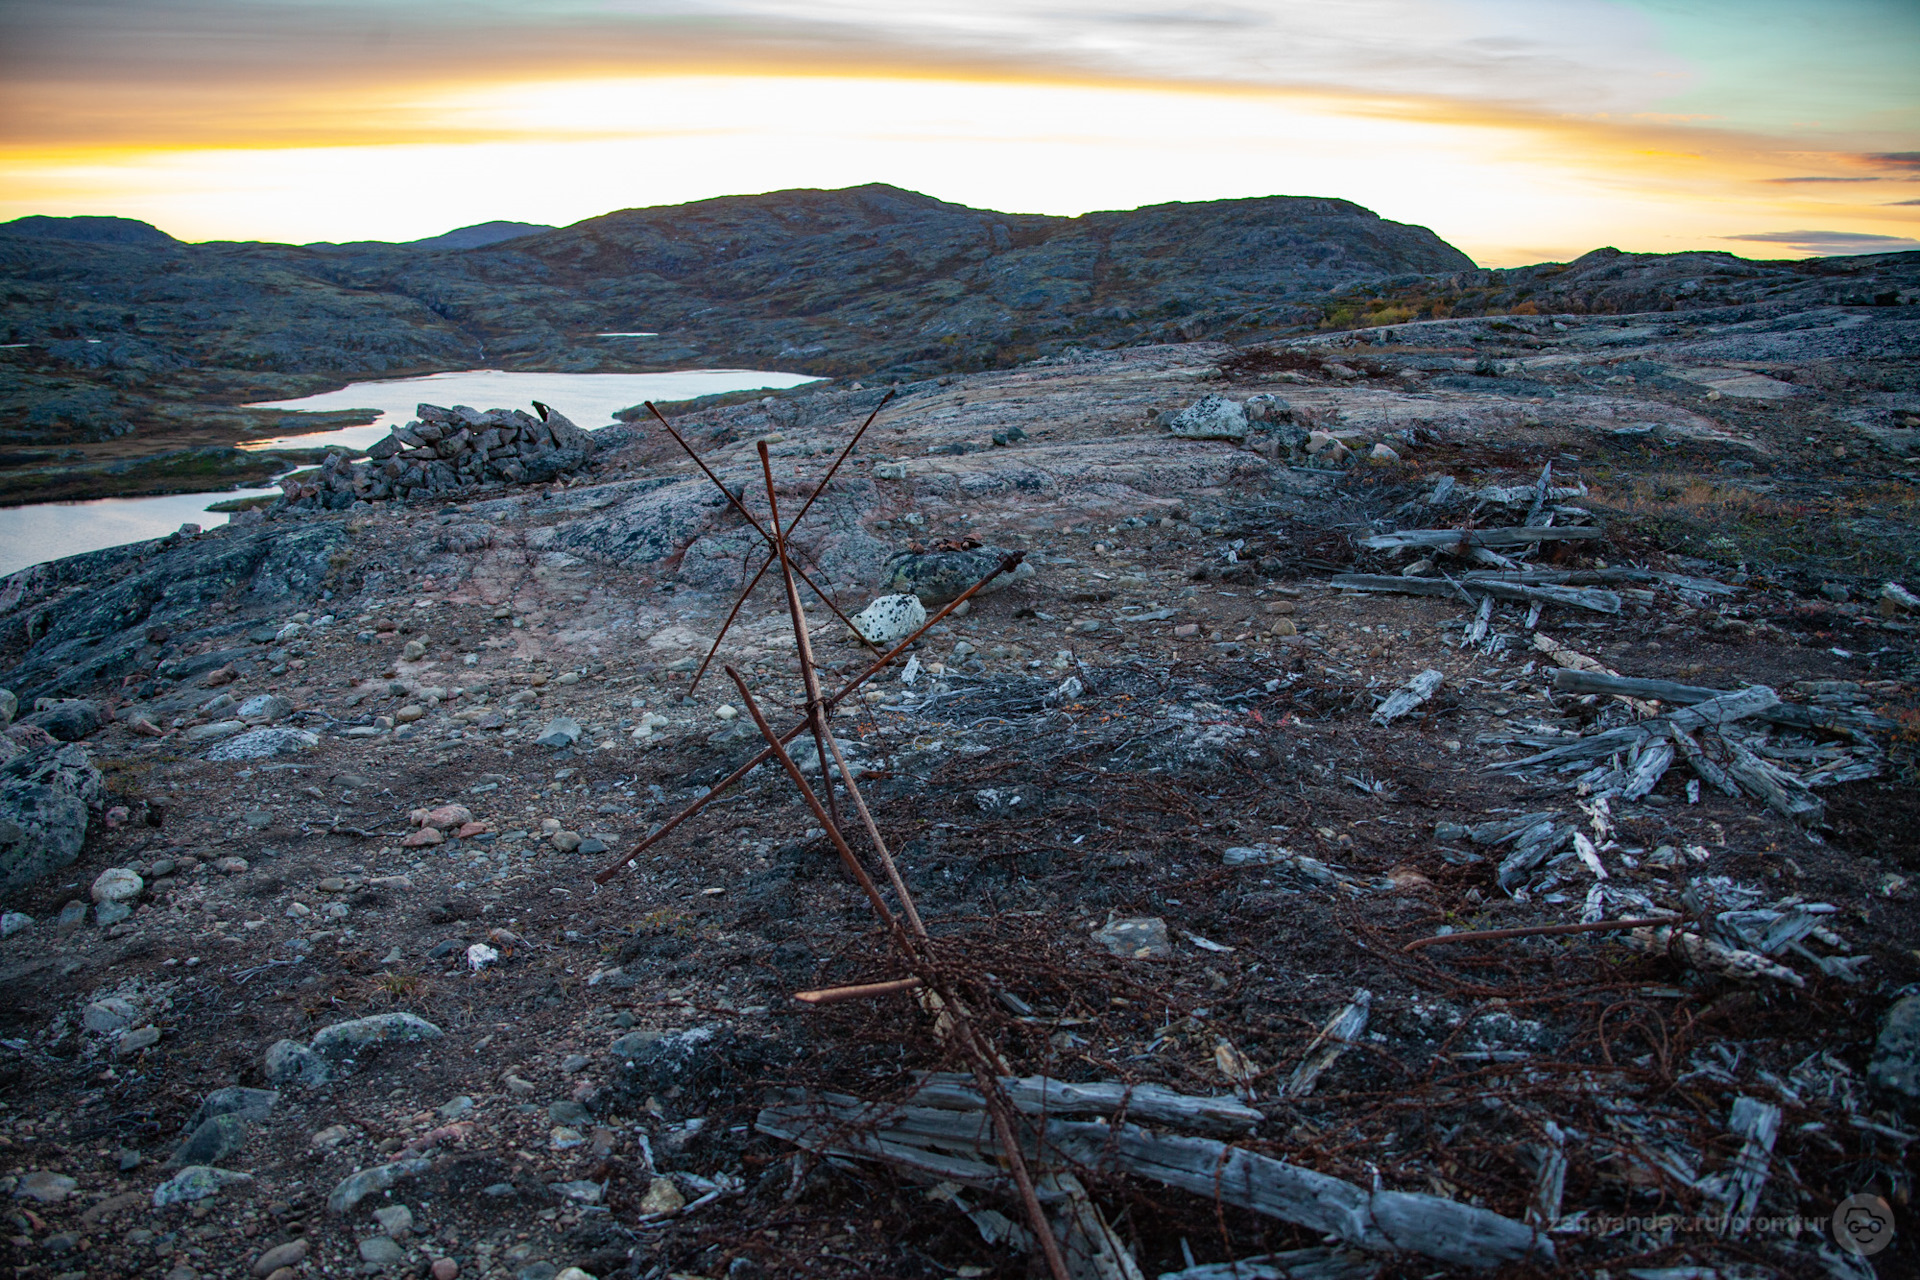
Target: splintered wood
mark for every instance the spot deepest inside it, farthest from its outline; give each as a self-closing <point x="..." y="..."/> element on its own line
<point x="943" y="1145"/>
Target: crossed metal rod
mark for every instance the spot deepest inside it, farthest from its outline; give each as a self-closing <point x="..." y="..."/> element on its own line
<point x="767" y="564"/>
<point x="905" y="929"/>
<point x="748" y="516"/>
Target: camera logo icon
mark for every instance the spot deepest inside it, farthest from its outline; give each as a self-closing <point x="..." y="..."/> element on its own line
<point x="1863" y="1225"/>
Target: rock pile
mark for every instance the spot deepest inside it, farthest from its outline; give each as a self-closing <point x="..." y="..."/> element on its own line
<point x="447" y="450"/>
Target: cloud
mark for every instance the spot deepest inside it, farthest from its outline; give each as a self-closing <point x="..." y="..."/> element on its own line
<point x="1784" y="181"/>
<point x="1895" y="159"/>
<point x="1894" y="204"/>
<point x="1832" y="243"/>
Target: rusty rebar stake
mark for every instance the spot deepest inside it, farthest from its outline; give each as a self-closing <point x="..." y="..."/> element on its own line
<point x="802" y="646"/>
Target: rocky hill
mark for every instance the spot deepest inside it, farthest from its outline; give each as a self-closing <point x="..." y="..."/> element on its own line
<point x="155" y="337"/>
<point x="130" y="344"/>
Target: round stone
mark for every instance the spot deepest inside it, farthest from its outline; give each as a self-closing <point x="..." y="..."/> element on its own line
<point x="117" y="884"/>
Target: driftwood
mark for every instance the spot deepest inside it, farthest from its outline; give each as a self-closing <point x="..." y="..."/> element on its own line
<point x="1479" y="585"/>
<point x="1513" y="537"/>
<point x="960" y="1147"/>
<point x="1407" y="697"/>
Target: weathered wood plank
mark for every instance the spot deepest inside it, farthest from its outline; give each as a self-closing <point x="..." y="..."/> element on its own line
<point x="1475" y="586"/>
<point x="1520" y="536"/>
<point x="961" y="1147"/>
<point x="1039" y="1095"/>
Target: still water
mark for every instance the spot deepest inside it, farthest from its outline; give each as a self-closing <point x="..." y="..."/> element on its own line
<point x="47" y="531"/>
<point x="590" y="399"/>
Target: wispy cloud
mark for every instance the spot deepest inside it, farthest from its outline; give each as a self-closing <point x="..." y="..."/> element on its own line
<point x="1789" y="181"/>
<point x="1832" y="243"/>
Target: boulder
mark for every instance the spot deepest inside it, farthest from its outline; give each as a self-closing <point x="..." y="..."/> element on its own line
<point x="345" y="1039"/>
<point x="68" y="720"/>
<point x="1895" y="1065"/>
<point x="214" y="1138"/>
<point x="8" y="705"/>
<point x="235" y="1100"/>
<point x="45" y="801"/>
<point x="356" y="1187"/>
<point x="290" y="1062"/>
<point x="195" y="1182"/>
<point x="117" y="884"/>
<point x="942" y="574"/>
<point x="1211" y="417"/>
<point x="561" y="732"/>
<point x="891" y="619"/>
<point x="259" y="744"/>
<point x="266" y="707"/>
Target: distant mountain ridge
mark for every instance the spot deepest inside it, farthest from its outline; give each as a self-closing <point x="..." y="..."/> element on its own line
<point x="87" y="229"/>
<point x="480" y="234"/>
<point x="128" y="331"/>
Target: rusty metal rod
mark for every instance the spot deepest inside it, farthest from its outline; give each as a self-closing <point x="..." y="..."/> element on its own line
<point x="748" y="517"/>
<point x="791" y="525"/>
<point x="607" y="873"/>
<point x="847" y="856"/>
<point x="1538" y="931"/>
<point x="865" y="991"/>
<point x="816" y="710"/>
<point x="802" y="644"/>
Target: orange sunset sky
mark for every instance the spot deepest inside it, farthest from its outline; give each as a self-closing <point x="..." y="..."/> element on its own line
<point x="1520" y="130"/>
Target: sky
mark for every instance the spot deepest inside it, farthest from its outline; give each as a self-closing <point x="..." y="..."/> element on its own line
<point x="1519" y="130"/>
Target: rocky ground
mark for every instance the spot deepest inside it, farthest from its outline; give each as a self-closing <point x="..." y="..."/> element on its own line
<point x="333" y="766"/>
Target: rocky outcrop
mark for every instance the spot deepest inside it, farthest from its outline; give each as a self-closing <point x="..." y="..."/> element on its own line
<point x="447" y="451"/>
<point x="46" y="800"/>
<point x="99" y="616"/>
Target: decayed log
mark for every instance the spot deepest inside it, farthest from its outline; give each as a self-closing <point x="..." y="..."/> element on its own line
<point x="1724" y="709"/>
<point x="1522" y="536"/>
<point x="1789" y="714"/>
<point x="1541" y="593"/>
<point x="960" y="1147"/>
<point x="1782" y="791"/>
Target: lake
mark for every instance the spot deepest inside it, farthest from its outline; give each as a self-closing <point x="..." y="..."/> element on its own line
<point x="590" y="399"/>
<point x="50" y="530"/>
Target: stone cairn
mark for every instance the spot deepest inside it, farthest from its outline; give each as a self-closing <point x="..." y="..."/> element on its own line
<point x="446" y="451"/>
